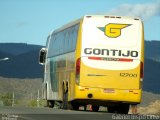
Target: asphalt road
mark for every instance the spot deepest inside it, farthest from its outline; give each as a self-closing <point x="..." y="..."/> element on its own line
<point x="22" y="113"/>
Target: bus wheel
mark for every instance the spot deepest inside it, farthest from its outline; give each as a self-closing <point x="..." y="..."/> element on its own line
<point x="111" y="109"/>
<point x="85" y="107"/>
<point x="50" y="103"/>
<point x="75" y="106"/>
<point x="123" y="108"/>
<point x="65" y="100"/>
<point x="95" y="108"/>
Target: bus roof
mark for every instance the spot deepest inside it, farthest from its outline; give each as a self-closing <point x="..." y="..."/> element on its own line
<point x="67" y="26"/>
<point x="90" y="16"/>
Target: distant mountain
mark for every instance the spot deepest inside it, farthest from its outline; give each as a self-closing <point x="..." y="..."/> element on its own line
<point x="152" y="50"/>
<point x="5" y="55"/>
<point x="151" y="80"/>
<point x="152" y="67"/>
<point x="22" y="66"/>
<point x="17" y="48"/>
<point x="23" y="61"/>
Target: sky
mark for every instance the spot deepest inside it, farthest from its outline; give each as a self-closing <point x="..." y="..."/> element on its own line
<point x="31" y="21"/>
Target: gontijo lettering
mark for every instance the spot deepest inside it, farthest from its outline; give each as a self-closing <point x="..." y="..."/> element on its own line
<point x="110" y="52"/>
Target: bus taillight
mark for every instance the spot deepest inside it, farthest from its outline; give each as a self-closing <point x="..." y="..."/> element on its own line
<point x="141" y="70"/>
<point x="78" y="62"/>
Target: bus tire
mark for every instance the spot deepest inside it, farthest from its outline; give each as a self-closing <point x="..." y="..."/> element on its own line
<point x="50" y="103"/>
<point x="65" y="100"/>
<point x="95" y="108"/>
<point x="75" y="106"/>
<point x="85" y="107"/>
<point x="111" y="109"/>
<point x="123" y="108"/>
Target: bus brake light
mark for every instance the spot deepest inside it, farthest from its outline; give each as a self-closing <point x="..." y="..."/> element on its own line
<point x="78" y="62"/>
<point x="141" y="70"/>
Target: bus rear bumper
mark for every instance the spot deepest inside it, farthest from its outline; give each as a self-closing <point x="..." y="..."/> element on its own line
<point x="116" y="95"/>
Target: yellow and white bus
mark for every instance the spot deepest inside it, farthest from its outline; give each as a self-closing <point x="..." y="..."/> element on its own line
<point x="95" y="60"/>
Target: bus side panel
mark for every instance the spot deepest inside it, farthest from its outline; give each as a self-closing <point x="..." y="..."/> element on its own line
<point x="72" y="83"/>
<point x="63" y="66"/>
<point x="52" y="86"/>
<point x="47" y="81"/>
<point x="70" y="73"/>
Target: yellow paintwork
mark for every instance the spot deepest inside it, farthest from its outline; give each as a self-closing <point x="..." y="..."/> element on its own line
<point x="79" y="42"/>
<point x="111" y="78"/>
<point x="125" y="89"/>
<point x="72" y="80"/>
<point x="114" y="30"/>
<point x="99" y="94"/>
<point x="142" y="45"/>
<point x="120" y="85"/>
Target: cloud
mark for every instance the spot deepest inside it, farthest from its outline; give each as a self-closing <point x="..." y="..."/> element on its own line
<point x="144" y="11"/>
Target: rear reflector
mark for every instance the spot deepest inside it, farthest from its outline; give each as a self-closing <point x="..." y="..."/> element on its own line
<point x="141" y="70"/>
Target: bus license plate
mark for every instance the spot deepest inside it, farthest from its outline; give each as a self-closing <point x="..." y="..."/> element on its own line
<point x="109" y="90"/>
